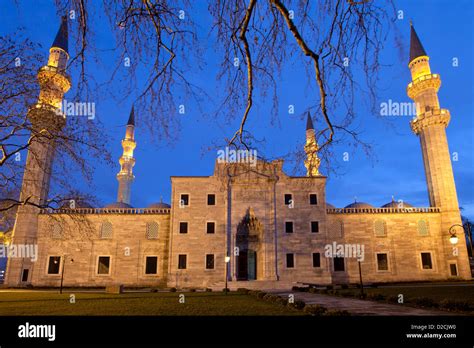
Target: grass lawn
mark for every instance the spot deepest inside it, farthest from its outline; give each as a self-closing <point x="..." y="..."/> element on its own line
<point x="437" y="293"/>
<point x="196" y="303"/>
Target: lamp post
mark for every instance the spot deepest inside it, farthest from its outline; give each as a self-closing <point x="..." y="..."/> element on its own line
<point x="360" y="278"/>
<point x="62" y="273"/>
<point x="452" y="231"/>
<point x="227" y="260"/>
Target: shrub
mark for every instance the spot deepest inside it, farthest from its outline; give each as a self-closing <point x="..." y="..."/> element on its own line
<point x="243" y="290"/>
<point x="270" y="297"/>
<point x="376" y="297"/>
<point x="313" y="290"/>
<point x="261" y="294"/>
<point x="281" y="301"/>
<point x="154" y="290"/>
<point x="208" y="290"/>
<point x="226" y="290"/>
<point x="392" y="299"/>
<point x="456" y="305"/>
<point x="348" y="294"/>
<point x="329" y="287"/>
<point x="424" y="302"/>
<point x="337" y="313"/>
<point x="314" y="310"/>
<point x="344" y="286"/>
<point x="172" y="289"/>
<point x="192" y="290"/>
<point x="254" y="292"/>
<point x="324" y="291"/>
<point x="297" y="304"/>
<point x="295" y="288"/>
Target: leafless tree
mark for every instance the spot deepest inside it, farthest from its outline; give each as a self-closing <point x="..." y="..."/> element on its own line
<point x="333" y="39"/>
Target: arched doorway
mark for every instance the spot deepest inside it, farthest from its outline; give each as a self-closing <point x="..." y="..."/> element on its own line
<point x="248" y="243"/>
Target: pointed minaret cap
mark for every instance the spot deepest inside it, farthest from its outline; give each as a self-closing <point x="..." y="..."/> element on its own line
<point x="416" y="48"/>
<point x="309" y="122"/>
<point x="61" y="40"/>
<point x="131" y="119"/>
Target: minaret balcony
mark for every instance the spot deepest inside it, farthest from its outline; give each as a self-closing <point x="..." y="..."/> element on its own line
<point x="127" y="160"/>
<point x="46" y="116"/>
<point x="129" y="144"/>
<point x="57" y="77"/>
<point x="423" y="83"/>
<point x="428" y="118"/>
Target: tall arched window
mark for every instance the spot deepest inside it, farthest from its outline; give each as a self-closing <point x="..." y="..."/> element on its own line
<point x="379" y="228"/>
<point x="56" y="231"/>
<point x="106" y="230"/>
<point x="152" y="230"/>
<point x="423" y="228"/>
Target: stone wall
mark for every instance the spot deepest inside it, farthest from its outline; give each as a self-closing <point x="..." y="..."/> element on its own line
<point x="80" y="241"/>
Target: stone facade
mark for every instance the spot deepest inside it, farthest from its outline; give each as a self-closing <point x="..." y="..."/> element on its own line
<point x="249" y="223"/>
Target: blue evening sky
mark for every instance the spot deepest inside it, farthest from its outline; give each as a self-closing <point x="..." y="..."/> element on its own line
<point x="445" y="28"/>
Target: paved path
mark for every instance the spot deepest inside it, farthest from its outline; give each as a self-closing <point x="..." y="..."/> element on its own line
<point x="360" y="307"/>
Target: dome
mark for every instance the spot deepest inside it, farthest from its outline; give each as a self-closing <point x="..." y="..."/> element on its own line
<point x="159" y="205"/>
<point x="394" y="204"/>
<point x="330" y="206"/>
<point x="359" y="205"/>
<point x="121" y="205"/>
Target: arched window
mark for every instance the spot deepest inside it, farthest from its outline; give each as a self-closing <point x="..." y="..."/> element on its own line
<point x="423" y="228"/>
<point x="379" y="228"/>
<point x="152" y="230"/>
<point x="336" y="228"/>
<point x="106" y="230"/>
<point x="56" y="231"/>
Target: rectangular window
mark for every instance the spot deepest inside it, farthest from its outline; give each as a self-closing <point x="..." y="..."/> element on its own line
<point x="151" y="266"/>
<point x="104" y="265"/>
<point x="339" y="264"/>
<point x="382" y="262"/>
<point x="290" y="260"/>
<point x="316" y="260"/>
<point x="211" y="227"/>
<point x="184" y="201"/>
<point x="211" y="199"/>
<point x="314" y="226"/>
<point x="454" y="269"/>
<point x="288" y="199"/>
<point x="182" y="261"/>
<point x="24" y="275"/>
<point x="289" y="226"/>
<point x="53" y="264"/>
<point x="183" y="227"/>
<point x="210" y="261"/>
<point x="426" y="261"/>
<point x="313" y="199"/>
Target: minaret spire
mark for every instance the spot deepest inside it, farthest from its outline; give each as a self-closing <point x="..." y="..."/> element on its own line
<point x="311" y="148"/>
<point x="416" y="48"/>
<point x="125" y="177"/>
<point x="61" y="39"/>
<point x="59" y="53"/>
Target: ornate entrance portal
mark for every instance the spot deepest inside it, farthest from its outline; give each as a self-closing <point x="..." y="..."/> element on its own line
<point x="248" y="237"/>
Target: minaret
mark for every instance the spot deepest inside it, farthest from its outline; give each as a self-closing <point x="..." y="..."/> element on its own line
<point x="430" y="125"/>
<point x="125" y="176"/>
<point x="311" y="148"/>
<point x="47" y="121"/>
